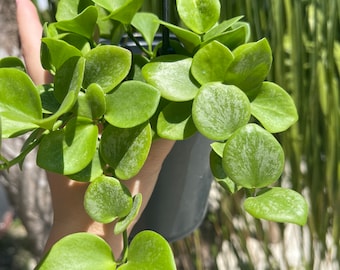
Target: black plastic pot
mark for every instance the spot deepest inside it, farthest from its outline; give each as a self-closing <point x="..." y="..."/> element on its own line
<point x="179" y="202"/>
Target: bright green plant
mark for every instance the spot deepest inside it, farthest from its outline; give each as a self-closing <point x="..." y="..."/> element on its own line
<point x="211" y="80"/>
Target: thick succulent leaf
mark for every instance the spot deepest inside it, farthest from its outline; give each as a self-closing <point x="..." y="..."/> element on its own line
<point x="274" y="108"/>
<point x="189" y="39"/>
<point x="251" y="65"/>
<point x="106" y="66"/>
<point x="199" y="15"/>
<point x="122" y="11"/>
<point x="90" y="172"/>
<point x="67" y="10"/>
<point x="252" y="157"/>
<point x="175" y="121"/>
<point x="219" y="109"/>
<point x="20" y="104"/>
<point x="131" y="103"/>
<point x="124" y="223"/>
<point x="147" y="24"/>
<point x="83" y="24"/>
<point x="221" y="28"/>
<point x="92" y="103"/>
<point x="211" y="62"/>
<point x="79" y="251"/>
<point x="149" y="250"/>
<point x="12" y="62"/>
<point x="69" y="77"/>
<point x="69" y="81"/>
<point x="69" y="150"/>
<point x="171" y="75"/>
<point x="219" y="173"/>
<point x="235" y="37"/>
<point x="106" y="199"/>
<point x="279" y="205"/>
<point x="126" y="150"/>
<point x="218" y="148"/>
<point x="55" y="52"/>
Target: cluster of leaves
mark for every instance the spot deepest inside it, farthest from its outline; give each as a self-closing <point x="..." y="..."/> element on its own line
<point x="97" y="120"/>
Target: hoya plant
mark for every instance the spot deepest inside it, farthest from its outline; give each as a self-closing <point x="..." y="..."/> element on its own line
<point x="106" y="105"/>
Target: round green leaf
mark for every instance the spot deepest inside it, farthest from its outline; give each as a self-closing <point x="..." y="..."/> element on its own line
<point x="122" y="11"/>
<point x="92" y="103"/>
<point x="199" y="15"/>
<point x="147" y="24"/>
<point x="126" y="150"/>
<point x="252" y="157"/>
<point x="55" y="52"/>
<point x="149" y="250"/>
<point x="124" y="223"/>
<point x="107" y="199"/>
<point x="79" y="251"/>
<point x="274" y="108"/>
<point x="219" y="109"/>
<point x="83" y="24"/>
<point x="189" y="39"/>
<point x="279" y="205"/>
<point x="171" y="75"/>
<point x="69" y="150"/>
<point x="90" y="172"/>
<point x="67" y="10"/>
<point x="175" y="121"/>
<point x="69" y="77"/>
<point x="106" y="66"/>
<point x="12" y="62"/>
<point x="20" y="104"/>
<point x="251" y="65"/>
<point x="131" y="104"/>
<point x="210" y="63"/>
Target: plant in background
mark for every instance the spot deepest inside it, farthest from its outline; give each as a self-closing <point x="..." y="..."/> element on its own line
<point x="107" y="104"/>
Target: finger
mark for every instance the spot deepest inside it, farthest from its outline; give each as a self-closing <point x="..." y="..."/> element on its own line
<point x="30" y="32"/>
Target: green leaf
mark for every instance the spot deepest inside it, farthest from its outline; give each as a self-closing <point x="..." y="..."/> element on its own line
<point x="69" y="77"/>
<point x="218" y="148"/>
<point x="83" y="24"/>
<point x="69" y="150"/>
<point x="68" y="80"/>
<point x="121" y="10"/>
<point x="279" y="205"/>
<point x="79" y="251"/>
<point x="219" y="173"/>
<point x="252" y="157"/>
<point x="107" y="199"/>
<point x="20" y="104"/>
<point x="175" y="121"/>
<point x="211" y="62"/>
<point x="219" y="109"/>
<point x="199" y="15"/>
<point x="55" y="52"/>
<point x="220" y="28"/>
<point x="274" y="108"/>
<point x="90" y="172"/>
<point x="106" y="66"/>
<point x="147" y="24"/>
<point x="149" y="250"/>
<point x="92" y="103"/>
<point x="67" y="10"/>
<point x="171" y="75"/>
<point x="12" y="62"/>
<point x="251" y="65"/>
<point x="189" y="39"/>
<point x="131" y="104"/>
<point x="124" y="223"/>
<point x="126" y="150"/>
<point x="235" y="37"/>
